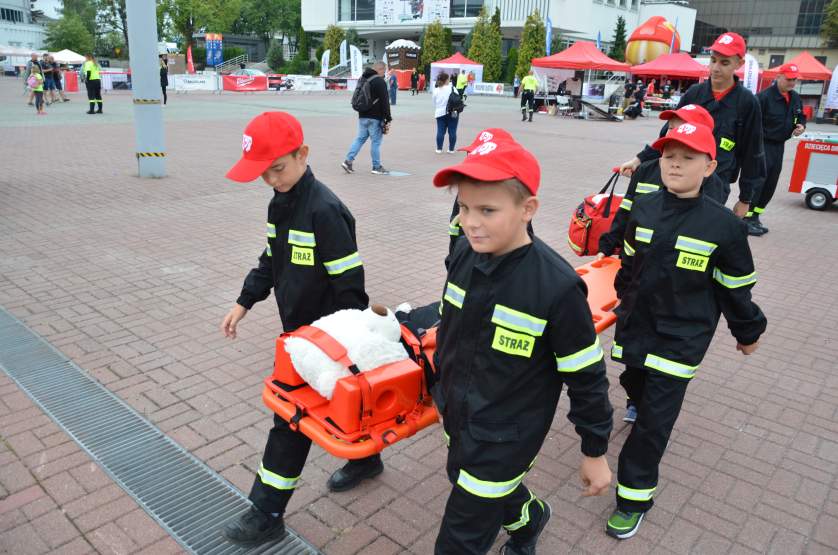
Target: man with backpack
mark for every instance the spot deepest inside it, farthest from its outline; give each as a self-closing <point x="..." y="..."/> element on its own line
<point x="371" y="101"/>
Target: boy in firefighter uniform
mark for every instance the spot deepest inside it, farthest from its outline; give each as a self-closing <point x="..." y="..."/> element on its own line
<point x="311" y="262"/>
<point x="782" y="119"/>
<point x="515" y="328"/>
<point x="737" y="122"/>
<point x="685" y="261"/>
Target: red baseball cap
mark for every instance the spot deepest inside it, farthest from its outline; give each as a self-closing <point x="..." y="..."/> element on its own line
<point x="496" y="158"/>
<point x="698" y="137"/>
<point x="691" y="113"/>
<point x="730" y="44"/>
<point x="267" y="137"/>
<point x="790" y="71"/>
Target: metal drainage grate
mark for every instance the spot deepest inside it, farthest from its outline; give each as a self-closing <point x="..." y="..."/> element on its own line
<point x="181" y="493"/>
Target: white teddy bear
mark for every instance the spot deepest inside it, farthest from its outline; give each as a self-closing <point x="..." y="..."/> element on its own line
<point x="371" y="338"/>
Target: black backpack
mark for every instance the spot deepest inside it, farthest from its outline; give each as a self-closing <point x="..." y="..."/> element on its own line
<point x="455" y="103"/>
<point x="362" y="99"/>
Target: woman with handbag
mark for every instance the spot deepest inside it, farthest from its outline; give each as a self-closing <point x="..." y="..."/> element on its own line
<point x="446" y="118"/>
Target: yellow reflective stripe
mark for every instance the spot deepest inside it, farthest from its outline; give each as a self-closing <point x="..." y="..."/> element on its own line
<point x="484" y="488"/>
<point x="627" y="248"/>
<point x="669" y="366"/>
<point x="626" y="204"/>
<point x="454" y="226"/>
<point x="695" y="246"/>
<point x="268" y="249"/>
<point x="734" y="282"/>
<point x="580" y="359"/>
<point x="758" y="210"/>
<point x="635" y="494"/>
<point x="301" y="238"/>
<point x="271" y="231"/>
<point x="643" y="234"/>
<point x="616" y="351"/>
<point x="518" y="321"/>
<point x="339" y="266"/>
<point x="643" y="188"/>
<point x="275" y="480"/>
<point x="525" y="514"/>
<point x="454" y="295"/>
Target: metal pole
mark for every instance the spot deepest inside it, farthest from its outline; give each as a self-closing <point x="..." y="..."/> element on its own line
<point x="145" y="80"/>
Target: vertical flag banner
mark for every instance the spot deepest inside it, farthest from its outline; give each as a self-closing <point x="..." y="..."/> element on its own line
<point x="219" y="50"/>
<point x="751" y="70"/>
<point x="832" y="95"/>
<point x="356" y="62"/>
<point x="549" y="39"/>
<point x="209" y="41"/>
<point x="344" y="59"/>
<point x="599" y="40"/>
<point x="674" y="34"/>
<point x="190" y="67"/>
<point x="324" y="63"/>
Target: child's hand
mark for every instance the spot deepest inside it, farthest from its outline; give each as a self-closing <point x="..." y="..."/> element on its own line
<point x="747" y="349"/>
<point x="627" y="168"/>
<point x="228" y="325"/>
<point x="596" y="475"/>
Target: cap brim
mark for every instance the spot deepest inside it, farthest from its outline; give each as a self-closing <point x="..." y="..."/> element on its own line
<point x="726" y="51"/>
<point x="473" y="170"/>
<point x="663" y="141"/>
<point x="247" y="170"/>
<point x="668" y="114"/>
<point x="791" y="75"/>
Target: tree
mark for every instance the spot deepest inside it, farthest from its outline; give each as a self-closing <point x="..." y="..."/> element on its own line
<point x="486" y="46"/>
<point x="275" y="59"/>
<point x="112" y="14"/>
<point x="191" y="16"/>
<point x="829" y="29"/>
<point x="85" y="10"/>
<point x="496" y="17"/>
<point x="269" y="20"/>
<point x="331" y="41"/>
<point x="110" y="44"/>
<point x="69" y="32"/>
<point x="511" y="63"/>
<point x="618" y="47"/>
<point x="533" y="40"/>
<point x="436" y="44"/>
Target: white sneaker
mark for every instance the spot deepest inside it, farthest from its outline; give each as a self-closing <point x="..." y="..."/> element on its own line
<point x="404" y="307"/>
<point x="438" y="151"/>
<point x="451" y="152"/>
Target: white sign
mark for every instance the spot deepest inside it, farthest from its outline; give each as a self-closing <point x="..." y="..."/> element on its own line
<point x="356" y="60"/>
<point x="751" y="80"/>
<point x="832" y="96"/>
<point x="186" y="82"/>
<point x="487" y="88"/>
<point x="411" y="12"/>
<point x="324" y="63"/>
<point x="305" y="83"/>
<point x="343" y="57"/>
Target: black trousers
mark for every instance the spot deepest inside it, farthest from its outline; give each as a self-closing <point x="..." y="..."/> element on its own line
<point x="94" y="93"/>
<point x="471" y="523"/>
<point x="285" y="455"/>
<point x="773" y="166"/>
<point x="528" y="100"/>
<point x="163" y="88"/>
<point x="658" y="398"/>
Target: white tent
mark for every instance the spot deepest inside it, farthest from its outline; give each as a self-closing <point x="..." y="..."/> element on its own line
<point x="454" y="64"/>
<point x="68" y="57"/>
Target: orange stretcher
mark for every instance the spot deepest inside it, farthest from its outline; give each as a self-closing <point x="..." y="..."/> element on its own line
<point x="374" y="409"/>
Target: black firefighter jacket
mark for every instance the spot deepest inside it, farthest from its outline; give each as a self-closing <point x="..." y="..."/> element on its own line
<point x="684" y="262"/>
<point x="779" y="117"/>
<point x="514" y="329"/>
<point x="738" y="132"/>
<point x="311" y="258"/>
<point x="647" y="179"/>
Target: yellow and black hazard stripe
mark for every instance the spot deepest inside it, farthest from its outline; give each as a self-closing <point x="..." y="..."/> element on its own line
<point x="151" y="154"/>
<point x="146" y="101"/>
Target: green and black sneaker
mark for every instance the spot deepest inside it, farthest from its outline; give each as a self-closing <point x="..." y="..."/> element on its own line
<point x="623" y="525"/>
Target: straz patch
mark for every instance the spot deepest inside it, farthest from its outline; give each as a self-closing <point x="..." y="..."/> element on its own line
<point x="302" y="256"/>
<point x="690" y="261"/>
<point x="511" y="343"/>
<point x="727" y="144"/>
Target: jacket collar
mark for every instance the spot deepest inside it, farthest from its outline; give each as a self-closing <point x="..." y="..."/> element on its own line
<point x="707" y="99"/>
<point x="302" y="186"/>
<point x="489" y="265"/>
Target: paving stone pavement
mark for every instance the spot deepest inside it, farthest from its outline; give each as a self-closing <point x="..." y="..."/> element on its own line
<point x="130" y="279"/>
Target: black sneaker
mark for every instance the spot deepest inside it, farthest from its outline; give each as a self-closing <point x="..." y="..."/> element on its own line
<point x="757" y="221"/>
<point x="354" y="472"/>
<point x="254" y="527"/>
<point x="347" y="166"/>
<point x="512" y="547"/>
<point x="379" y="170"/>
<point x="754" y="229"/>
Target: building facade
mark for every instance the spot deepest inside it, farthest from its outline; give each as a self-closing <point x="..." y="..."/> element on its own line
<point x="380" y="22"/>
<point x="776" y="30"/>
<point x="17" y="27"/>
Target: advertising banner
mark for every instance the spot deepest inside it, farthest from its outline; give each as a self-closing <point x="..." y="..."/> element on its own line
<point x="409" y="12"/>
<point x="207" y="82"/>
<point x="487" y="88"/>
<point x="209" y="42"/>
<point x="751" y="80"/>
<point x="218" y="53"/>
<point x="305" y="83"/>
<point x="832" y="96"/>
<point x="245" y="83"/>
<point x="324" y="63"/>
<point x="356" y="62"/>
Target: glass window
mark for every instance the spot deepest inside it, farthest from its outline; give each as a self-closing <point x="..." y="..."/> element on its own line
<point x="465" y="8"/>
<point x="356" y="10"/>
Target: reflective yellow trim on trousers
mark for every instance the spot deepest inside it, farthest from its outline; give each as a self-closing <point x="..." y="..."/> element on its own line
<point x="525" y="514"/>
<point x="275" y="480"/>
<point x="669" y="366"/>
<point x="580" y="359"/>
<point x="487" y="489"/>
<point x="758" y="210"/>
<point x="635" y="494"/>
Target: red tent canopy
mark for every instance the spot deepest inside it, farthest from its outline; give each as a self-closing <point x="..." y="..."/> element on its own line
<point x="457" y="59"/>
<point x="810" y="68"/>
<point x="581" y="55"/>
<point x="672" y="65"/>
